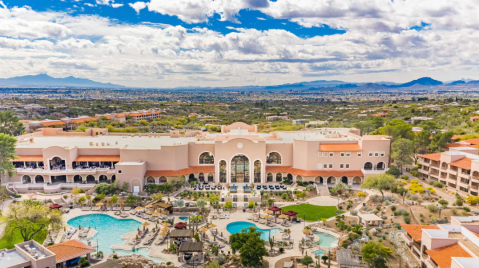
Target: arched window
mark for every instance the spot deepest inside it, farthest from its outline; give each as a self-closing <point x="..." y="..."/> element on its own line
<point x="380" y="166"/>
<point x="269" y="177"/>
<point x="90" y="179"/>
<point x="257" y="171"/>
<point x="39" y="179"/>
<point x="103" y="178"/>
<point x="223" y="171"/>
<point x="57" y="163"/>
<point x="150" y="180"/>
<point x="273" y="158"/>
<point x="240" y="169"/>
<point x="368" y="166"/>
<point x="357" y="180"/>
<point x="26" y="179"/>
<point x="77" y="179"/>
<point x="344" y="180"/>
<point x="207" y="158"/>
<point x="163" y="179"/>
<point x="279" y="177"/>
<point x="201" y="177"/>
<point x="211" y="177"/>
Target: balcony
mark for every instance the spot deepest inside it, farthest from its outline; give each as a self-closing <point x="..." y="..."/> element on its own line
<point x="374" y="171"/>
<point x="406" y="239"/>
<point x="463" y="184"/>
<point x="91" y="171"/>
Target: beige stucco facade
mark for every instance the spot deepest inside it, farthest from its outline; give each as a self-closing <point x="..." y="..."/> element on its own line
<point x="239" y="154"/>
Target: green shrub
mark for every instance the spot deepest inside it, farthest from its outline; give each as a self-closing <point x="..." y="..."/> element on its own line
<point x="407" y="219"/>
<point x="432" y="208"/>
<point x="393" y="171"/>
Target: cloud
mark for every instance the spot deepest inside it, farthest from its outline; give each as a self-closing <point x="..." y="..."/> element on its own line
<point x="116" y="5"/>
<point x="138" y="6"/>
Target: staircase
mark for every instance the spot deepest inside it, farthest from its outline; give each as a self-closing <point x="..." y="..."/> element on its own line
<point x="322" y="190"/>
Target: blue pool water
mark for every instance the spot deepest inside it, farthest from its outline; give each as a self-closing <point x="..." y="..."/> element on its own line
<point x="109" y="232"/>
<point x="183" y="218"/>
<point x="236" y="227"/>
<point x="326" y="240"/>
<point x="319" y="252"/>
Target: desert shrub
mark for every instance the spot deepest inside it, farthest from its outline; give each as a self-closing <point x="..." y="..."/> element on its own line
<point x="407" y="219"/>
<point x="354" y="212"/>
<point x="432" y="208"/>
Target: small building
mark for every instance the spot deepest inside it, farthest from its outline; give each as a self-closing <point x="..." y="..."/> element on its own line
<point x="299" y="121"/>
<point x="191" y="253"/>
<point x="276" y="118"/>
<point x="70" y="250"/>
<point x="370" y="220"/>
<point x="345" y="259"/>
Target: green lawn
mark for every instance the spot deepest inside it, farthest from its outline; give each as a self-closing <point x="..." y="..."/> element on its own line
<point x="8" y="242"/>
<point x="312" y="212"/>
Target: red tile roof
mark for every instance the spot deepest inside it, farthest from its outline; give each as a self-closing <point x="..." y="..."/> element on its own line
<point x="52" y="123"/>
<point x="314" y="173"/>
<point x="82" y="120"/>
<point x="28" y="158"/>
<point x="135" y="114"/>
<point x="341" y="147"/>
<point x="443" y="256"/>
<point x="185" y="171"/>
<point x="70" y="250"/>
<point x="415" y="230"/>
<point x="435" y="157"/>
<point x="473" y="141"/>
<point x="464" y="163"/>
<point x="98" y="158"/>
<point x="120" y="115"/>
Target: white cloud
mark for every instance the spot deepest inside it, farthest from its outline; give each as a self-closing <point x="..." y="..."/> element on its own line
<point x="138" y="6"/>
<point x="116" y="5"/>
<point x="89" y="4"/>
<point x="103" y="2"/>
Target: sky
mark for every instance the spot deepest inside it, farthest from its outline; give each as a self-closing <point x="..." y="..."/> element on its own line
<point x="223" y="43"/>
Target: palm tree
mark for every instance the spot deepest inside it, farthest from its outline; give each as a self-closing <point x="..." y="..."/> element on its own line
<point x="157" y="197"/>
<point x="114" y="200"/>
<point x="271" y="241"/>
<point x="88" y="198"/>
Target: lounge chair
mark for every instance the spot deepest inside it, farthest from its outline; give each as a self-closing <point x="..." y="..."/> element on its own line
<point x="263" y="221"/>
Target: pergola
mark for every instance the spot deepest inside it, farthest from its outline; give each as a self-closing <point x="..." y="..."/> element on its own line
<point x="274" y="209"/>
<point x="191" y="252"/>
<point x="370" y="220"/>
<point x="291" y="215"/>
<point x="181" y="233"/>
<point x="345" y="259"/>
<point x="181" y="225"/>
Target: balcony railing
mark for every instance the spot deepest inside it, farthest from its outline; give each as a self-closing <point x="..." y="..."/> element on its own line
<point x="39" y="171"/>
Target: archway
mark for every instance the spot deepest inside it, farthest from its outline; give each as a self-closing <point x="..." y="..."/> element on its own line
<point x="58" y="179"/>
<point x="206" y="158"/>
<point x="192" y="177"/>
<point x="163" y="179"/>
<point x="57" y="163"/>
<point x="26" y="179"/>
<point x="344" y="180"/>
<point x="113" y="178"/>
<point x="273" y="158"/>
<point x="103" y="179"/>
<point x="269" y="177"/>
<point x="356" y="180"/>
<point x="201" y="177"/>
<point x="289" y="177"/>
<point x="39" y="179"/>
<point x="319" y="180"/>
<point x="257" y="171"/>
<point x="150" y="180"/>
<point x="90" y="179"/>
<point x="223" y="171"/>
<point x="240" y="169"/>
<point x="299" y="178"/>
<point x="380" y="166"/>
<point x="211" y="177"/>
<point x="279" y="177"/>
<point x="331" y="180"/>
<point x="77" y="179"/>
<point x="135" y="185"/>
<point x="368" y="166"/>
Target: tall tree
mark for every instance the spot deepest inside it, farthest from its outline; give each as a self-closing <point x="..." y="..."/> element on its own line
<point x="379" y="182"/>
<point x="420" y="143"/>
<point x="30" y="218"/>
<point x="397" y="129"/>
<point x="401" y="152"/>
<point x="9" y="124"/>
<point x="7" y="153"/>
<point x="250" y="246"/>
<point x="375" y="254"/>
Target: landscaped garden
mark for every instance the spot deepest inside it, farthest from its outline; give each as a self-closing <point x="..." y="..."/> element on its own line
<point x="312" y="212"/>
<point x="8" y="241"/>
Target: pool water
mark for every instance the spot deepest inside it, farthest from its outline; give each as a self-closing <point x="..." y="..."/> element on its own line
<point x="236" y="227"/>
<point x="319" y="252"/>
<point x="327" y="240"/>
<point x="109" y="232"/>
<point x="183" y="218"/>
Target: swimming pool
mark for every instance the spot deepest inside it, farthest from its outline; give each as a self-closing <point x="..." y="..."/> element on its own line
<point x="236" y="227"/>
<point x="183" y="218"/>
<point x="326" y="240"/>
<point x="319" y="252"/>
<point x="109" y="232"/>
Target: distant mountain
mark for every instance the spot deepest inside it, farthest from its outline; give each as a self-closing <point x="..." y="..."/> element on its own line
<point x="44" y="80"/>
<point x="458" y="82"/>
<point x="473" y="82"/>
<point x="372" y="86"/>
<point x="424" y="81"/>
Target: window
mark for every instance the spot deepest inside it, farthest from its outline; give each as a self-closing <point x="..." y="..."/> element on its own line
<point x="376" y="154"/>
<point x="383" y="153"/>
<point x="119" y="171"/>
<point x="348" y="154"/>
<point x="347" y="165"/>
<point x="360" y="154"/>
<point x="273" y="158"/>
<point x="325" y="165"/>
<point x="325" y="154"/>
<point x="343" y="154"/>
<point x="370" y="153"/>
<point x="320" y="166"/>
<point x="206" y="158"/>
<point x="341" y="165"/>
<point x="320" y="154"/>
<point x="331" y="154"/>
<point x="330" y="165"/>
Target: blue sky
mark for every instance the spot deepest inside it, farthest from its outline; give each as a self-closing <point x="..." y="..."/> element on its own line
<point x="176" y="43"/>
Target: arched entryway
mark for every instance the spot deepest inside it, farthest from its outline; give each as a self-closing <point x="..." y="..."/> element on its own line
<point x="356" y="180"/>
<point x="344" y="180"/>
<point x="103" y="179"/>
<point x="90" y="179"/>
<point x="380" y="166"/>
<point x="319" y="180"/>
<point x="201" y="177"/>
<point x="223" y="171"/>
<point x="289" y="177"/>
<point x="77" y="179"/>
<point x="368" y="166"/>
<point x="26" y="179"/>
<point x="39" y="179"/>
<point x="331" y="180"/>
<point x="211" y="177"/>
<point x="299" y="178"/>
<point x="57" y="163"/>
<point x="113" y="178"/>
<point x="269" y="177"/>
<point x="192" y="177"/>
<point x="279" y="177"/>
<point x="257" y="171"/>
<point x="240" y="169"/>
<point x="58" y="179"/>
<point x="163" y="179"/>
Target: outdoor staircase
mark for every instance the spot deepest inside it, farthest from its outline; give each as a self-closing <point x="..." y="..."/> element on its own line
<point x="323" y="190"/>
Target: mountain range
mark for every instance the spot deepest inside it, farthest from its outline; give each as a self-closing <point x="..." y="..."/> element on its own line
<point x="44" y="80"/>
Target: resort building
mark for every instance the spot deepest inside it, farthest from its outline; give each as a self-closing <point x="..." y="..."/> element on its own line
<point x="457" y="168"/>
<point x="444" y="246"/>
<point x="51" y="158"/>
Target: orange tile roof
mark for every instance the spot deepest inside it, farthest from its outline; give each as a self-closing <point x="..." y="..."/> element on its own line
<point x="135" y="114"/>
<point x="98" y="158"/>
<point x="472" y="141"/>
<point x="341" y="147"/>
<point x="70" y="250"/>
<point x="120" y="115"/>
<point x="82" y="120"/>
<point x="415" y="230"/>
<point x="464" y="163"/>
<point x="156" y="112"/>
<point x="435" y="157"/>
<point x="314" y="173"/>
<point x="455" y="137"/>
<point x="443" y="256"/>
<point x="28" y="158"/>
<point x="185" y="171"/>
<point x="148" y="113"/>
<point x="52" y="123"/>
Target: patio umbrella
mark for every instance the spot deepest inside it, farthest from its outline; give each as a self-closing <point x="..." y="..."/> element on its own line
<point x="269" y="212"/>
<point x="165" y="229"/>
<point x="212" y="225"/>
<point x="145" y="223"/>
<point x="138" y="208"/>
<point x="156" y="215"/>
<point x="164" y="232"/>
<point x="307" y="231"/>
<point x="266" y="217"/>
<point x="99" y="204"/>
<point x="282" y="216"/>
<point x="204" y="229"/>
<point x="149" y="212"/>
<point x="149" y="206"/>
<point x="166" y="224"/>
